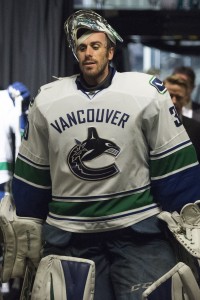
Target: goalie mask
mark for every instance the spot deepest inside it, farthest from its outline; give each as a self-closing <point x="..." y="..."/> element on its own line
<point x="88" y="20"/>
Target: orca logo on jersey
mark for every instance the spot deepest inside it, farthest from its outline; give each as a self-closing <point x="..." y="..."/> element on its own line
<point x="89" y="149"/>
<point x="158" y="85"/>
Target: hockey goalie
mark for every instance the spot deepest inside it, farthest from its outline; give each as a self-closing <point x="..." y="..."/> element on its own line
<point x="105" y="176"/>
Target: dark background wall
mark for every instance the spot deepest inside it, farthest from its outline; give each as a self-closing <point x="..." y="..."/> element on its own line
<point x="33" y="45"/>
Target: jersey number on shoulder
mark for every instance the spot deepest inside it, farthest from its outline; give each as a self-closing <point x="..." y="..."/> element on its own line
<point x="174" y="113"/>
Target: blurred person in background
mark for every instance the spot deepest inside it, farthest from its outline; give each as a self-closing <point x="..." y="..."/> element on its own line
<point x="14" y="103"/>
<point x="191" y="109"/>
<point x="154" y="71"/>
<point x="178" y="90"/>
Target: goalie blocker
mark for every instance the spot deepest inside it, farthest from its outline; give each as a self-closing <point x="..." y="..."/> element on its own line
<point x="185" y="227"/>
<point x="22" y="240"/>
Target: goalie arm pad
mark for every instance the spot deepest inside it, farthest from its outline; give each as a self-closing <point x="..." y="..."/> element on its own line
<point x="64" y="277"/>
<point x="22" y="240"/>
<point x="185" y="227"/>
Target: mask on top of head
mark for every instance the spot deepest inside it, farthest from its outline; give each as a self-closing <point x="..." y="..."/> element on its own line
<point x="89" y="20"/>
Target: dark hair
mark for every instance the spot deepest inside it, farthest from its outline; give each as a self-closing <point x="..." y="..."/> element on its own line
<point x="110" y="44"/>
<point x="188" y="71"/>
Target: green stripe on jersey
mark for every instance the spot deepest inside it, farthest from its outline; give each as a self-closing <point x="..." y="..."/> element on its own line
<point x="6" y="166"/>
<point x="32" y="174"/>
<point x="102" y="207"/>
<point x="177" y="160"/>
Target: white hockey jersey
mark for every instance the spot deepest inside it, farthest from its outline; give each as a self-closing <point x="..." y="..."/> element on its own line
<point x="105" y="163"/>
<point x="9" y="128"/>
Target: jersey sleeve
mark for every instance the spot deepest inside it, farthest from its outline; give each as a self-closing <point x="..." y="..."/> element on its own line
<point x="32" y="181"/>
<point x="174" y="169"/>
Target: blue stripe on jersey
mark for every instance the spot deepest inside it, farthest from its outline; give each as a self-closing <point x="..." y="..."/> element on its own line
<point x="30" y="201"/>
<point x="177" y="190"/>
<point x="171" y="149"/>
<point x="107" y="218"/>
<point x="105" y="196"/>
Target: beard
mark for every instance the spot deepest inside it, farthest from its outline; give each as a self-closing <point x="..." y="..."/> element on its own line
<point x="97" y="73"/>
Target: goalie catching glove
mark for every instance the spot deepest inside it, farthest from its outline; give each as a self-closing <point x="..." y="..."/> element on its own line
<point x="22" y="240"/>
<point x="185" y="226"/>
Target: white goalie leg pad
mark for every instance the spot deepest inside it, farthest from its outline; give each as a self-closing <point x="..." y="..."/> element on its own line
<point x="177" y="284"/>
<point x="64" y="278"/>
<point x="22" y="240"/>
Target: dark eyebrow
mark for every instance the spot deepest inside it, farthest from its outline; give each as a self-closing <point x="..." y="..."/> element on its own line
<point x="96" y="42"/>
<point x="92" y="43"/>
